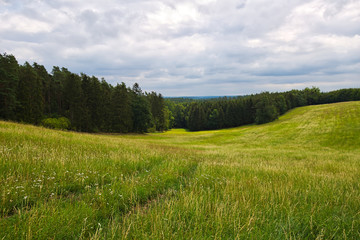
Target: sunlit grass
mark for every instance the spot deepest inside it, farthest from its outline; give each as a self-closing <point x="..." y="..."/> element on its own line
<point x="295" y="178"/>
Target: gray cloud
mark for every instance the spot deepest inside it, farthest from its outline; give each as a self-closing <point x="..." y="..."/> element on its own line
<point x="191" y="47"/>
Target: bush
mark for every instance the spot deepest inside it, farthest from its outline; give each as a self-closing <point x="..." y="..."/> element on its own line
<point x="56" y="123"/>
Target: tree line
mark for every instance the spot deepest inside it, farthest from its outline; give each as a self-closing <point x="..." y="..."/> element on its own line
<point x="61" y="99"/>
<point x="260" y="108"/>
<point x="29" y="94"/>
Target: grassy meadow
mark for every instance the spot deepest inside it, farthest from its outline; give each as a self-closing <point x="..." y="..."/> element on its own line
<point x="295" y="178"/>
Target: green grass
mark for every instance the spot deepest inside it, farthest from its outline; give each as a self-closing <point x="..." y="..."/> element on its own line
<point x="295" y="178"/>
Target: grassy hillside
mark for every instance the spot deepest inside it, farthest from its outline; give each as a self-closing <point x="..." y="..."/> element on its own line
<point x="295" y="178"/>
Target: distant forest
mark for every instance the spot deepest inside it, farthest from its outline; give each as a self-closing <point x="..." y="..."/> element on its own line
<point x="260" y="108"/>
<point x="64" y="100"/>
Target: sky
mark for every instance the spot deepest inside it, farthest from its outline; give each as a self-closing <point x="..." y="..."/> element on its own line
<point x="191" y="47"/>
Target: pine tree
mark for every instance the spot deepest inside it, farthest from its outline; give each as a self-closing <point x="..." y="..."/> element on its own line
<point x="30" y="95"/>
<point x="265" y="110"/>
<point x="122" y="119"/>
<point x="45" y="79"/>
<point x="57" y="91"/>
<point x="197" y="118"/>
<point x="158" y="111"/>
<point x="106" y="91"/>
<point x="9" y="78"/>
<point x="74" y="102"/>
<point x="141" y="110"/>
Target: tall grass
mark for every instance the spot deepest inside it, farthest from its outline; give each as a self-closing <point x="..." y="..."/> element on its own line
<point x="295" y="178"/>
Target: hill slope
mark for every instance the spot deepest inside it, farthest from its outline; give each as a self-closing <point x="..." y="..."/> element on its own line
<point x="294" y="178"/>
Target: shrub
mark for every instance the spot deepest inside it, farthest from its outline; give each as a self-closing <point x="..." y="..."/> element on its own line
<point x="56" y="123"/>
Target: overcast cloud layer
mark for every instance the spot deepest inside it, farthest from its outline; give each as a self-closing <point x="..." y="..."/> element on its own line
<point x="195" y="47"/>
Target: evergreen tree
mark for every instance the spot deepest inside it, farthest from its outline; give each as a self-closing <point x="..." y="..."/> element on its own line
<point x="106" y="106"/>
<point x="45" y="79"/>
<point x="95" y="103"/>
<point x="230" y="114"/>
<point x="74" y="104"/>
<point x="92" y="96"/>
<point x="122" y="120"/>
<point x="197" y="118"/>
<point x="88" y="124"/>
<point x="213" y="121"/>
<point x="158" y="111"/>
<point x="57" y="91"/>
<point x="9" y="78"/>
<point x="141" y="110"/>
<point x="280" y="103"/>
<point x="30" y="95"/>
<point x="179" y="115"/>
<point x="312" y="95"/>
<point x="249" y="110"/>
<point x="168" y="117"/>
<point x="265" y="110"/>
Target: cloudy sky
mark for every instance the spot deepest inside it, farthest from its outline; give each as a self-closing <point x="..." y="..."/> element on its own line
<point x="191" y="47"/>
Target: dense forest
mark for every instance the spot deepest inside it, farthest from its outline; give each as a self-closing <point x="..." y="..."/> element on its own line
<point x="28" y="93"/>
<point x="64" y="100"/>
<point x="260" y="108"/>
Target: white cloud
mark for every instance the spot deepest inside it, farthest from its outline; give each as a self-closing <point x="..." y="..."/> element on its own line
<point x="23" y="24"/>
<point x="202" y="47"/>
